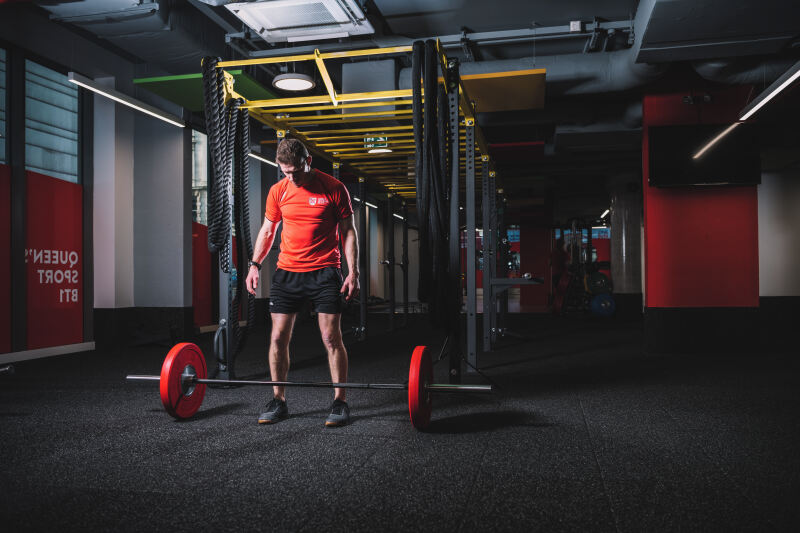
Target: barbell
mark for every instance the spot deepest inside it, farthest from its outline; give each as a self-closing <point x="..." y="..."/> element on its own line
<point x="184" y="377"/>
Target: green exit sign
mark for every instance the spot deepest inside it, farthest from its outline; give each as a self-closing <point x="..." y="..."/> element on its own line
<point x="376" y="142"/>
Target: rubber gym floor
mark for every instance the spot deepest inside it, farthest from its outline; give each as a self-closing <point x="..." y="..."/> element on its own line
<point x="586" y="432"/>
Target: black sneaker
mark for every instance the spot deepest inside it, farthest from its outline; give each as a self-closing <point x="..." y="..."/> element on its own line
<point x="276" y="411"/>
<point x="340" y="414"/>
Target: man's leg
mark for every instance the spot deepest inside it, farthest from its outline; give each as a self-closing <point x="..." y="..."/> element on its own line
<point x="282" y="324"/>
<point x="330" y="327"/>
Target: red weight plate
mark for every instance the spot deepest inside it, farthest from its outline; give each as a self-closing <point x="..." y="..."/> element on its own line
<point x="419" y="399"/>
<point x="178" y="402"/>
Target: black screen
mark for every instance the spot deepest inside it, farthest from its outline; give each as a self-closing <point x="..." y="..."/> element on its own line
<point x="733" y="160"/>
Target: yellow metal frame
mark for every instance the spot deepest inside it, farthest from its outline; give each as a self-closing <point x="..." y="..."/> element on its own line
<point x="345" y="147"/>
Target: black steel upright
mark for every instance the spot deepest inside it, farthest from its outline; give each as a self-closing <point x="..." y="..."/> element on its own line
<point x="505" y="256"/>
<point x="469" y="207"/>
<point x="390" y="259"/>
<point x="404" y="265"/>
<point x="488" y="255"/>
<point x="363" y="273"/>
<point x="455" y="228"/>
<point x="493" y="238"/>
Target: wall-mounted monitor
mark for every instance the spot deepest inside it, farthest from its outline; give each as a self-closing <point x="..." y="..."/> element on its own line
<point x="734" y="159"/>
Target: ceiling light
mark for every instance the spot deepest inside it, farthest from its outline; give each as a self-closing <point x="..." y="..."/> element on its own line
<point x="365" y="203"/>
<point x="124" y="99"/>
<point x="786" y="79"/>
<point x="398" y="216"/>
<point x="604" y="214"/>
<point x="293" y="81"/>
<point x="380" y="150"/>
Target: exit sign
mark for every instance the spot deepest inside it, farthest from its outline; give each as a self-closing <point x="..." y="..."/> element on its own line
<point x="376" y="142"/>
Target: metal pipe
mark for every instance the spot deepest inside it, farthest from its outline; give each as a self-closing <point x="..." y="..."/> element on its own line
<point x="433" y="387"/>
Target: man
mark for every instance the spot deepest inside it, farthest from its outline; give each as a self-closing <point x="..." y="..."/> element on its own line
<point x="316" y="212"/>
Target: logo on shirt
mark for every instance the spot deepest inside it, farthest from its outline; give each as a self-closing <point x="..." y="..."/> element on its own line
<point x="317" y="200"/>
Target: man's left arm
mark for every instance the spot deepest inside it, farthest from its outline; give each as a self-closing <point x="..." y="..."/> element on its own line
<point x="350" y="244"/>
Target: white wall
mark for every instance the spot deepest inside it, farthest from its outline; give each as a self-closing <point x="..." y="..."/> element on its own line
<point x="161" y="200"/>
<point x="112" y="215"/>
<point x="413" y="261"/>
<point x="779" y="234"/>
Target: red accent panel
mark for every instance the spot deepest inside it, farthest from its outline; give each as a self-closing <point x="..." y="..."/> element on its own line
<point x="5" y="258"/>
<point x="201" y="276"/>
<point x="535" y="258"/>
<point x="603" y="248"/>
<point x="701" y="244"/>
<point x="54" y="258"/>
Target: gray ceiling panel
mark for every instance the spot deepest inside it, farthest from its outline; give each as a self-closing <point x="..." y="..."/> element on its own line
<point x="682" y="30"/>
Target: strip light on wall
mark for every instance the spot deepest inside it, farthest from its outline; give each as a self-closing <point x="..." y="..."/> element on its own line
<point x="123" y="99"/>
<point x="366" y="203"/>
<point x="263" y="159"/>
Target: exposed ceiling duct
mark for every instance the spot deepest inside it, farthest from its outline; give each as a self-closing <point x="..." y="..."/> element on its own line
<point x="749" y="71"/>
<point x="578" y="74"/>
<point x="689" y="30"/>
<point x="171" y="34"/>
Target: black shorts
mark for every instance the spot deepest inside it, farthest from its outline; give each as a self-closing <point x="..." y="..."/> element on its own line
<point x="290" y="290"/>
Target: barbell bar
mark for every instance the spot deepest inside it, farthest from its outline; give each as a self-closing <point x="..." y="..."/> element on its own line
<point x="183" y="381"/>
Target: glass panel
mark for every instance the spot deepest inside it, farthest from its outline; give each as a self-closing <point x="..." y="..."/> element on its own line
<point x="5" y="220"/>
<point x="51" y="123"/>
<point x="199" y="178"/>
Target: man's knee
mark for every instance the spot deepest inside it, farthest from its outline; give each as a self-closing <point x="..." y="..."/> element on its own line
<point x="332" y="339"/>
<point x="280" y="339"/>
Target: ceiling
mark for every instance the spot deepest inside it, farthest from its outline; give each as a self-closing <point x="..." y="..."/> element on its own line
<point x="580" y="130"/>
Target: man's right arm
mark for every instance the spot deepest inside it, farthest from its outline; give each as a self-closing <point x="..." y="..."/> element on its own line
<point x="266" y="236"/>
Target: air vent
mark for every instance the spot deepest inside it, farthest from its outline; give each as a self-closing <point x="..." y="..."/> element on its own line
<point x="302" y="20"/>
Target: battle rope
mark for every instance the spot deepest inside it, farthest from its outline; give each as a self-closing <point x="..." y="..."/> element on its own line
<point x="228" y="131"/>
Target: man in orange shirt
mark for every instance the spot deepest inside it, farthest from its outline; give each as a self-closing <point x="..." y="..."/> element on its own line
<point x="316" y="212"/>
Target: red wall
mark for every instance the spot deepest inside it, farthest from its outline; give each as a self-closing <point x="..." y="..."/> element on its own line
<point x="201" y="275"/>
<point x="534" y="257"/>
<point x="603" y="248"/>
<point x="54" y="261"/>
<point x="5" y="258"/>
<point x="701" y="244"/>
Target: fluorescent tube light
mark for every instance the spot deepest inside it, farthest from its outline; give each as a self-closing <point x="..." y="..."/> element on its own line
<point x="786" y="79"/>
<point x="715" y="140"/>
<point x="604" y="214"/>
<point x="365" y="203"/>
<point x="123" y="99"/>
<point x="398" y="216"/>
<point x="262" y="159"/>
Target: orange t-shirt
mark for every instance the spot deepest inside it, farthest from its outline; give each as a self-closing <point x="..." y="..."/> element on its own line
<point x="310" y="215"/>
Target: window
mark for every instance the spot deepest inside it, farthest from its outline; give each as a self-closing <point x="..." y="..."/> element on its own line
<point x="199" y="178"/>
<point x="2" y="106"/>
<point x="51" y="123"/>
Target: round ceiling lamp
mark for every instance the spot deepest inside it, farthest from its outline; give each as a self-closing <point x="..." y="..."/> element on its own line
<point x="293" y="81"/>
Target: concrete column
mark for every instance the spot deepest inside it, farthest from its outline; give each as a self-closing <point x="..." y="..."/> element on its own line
<point x="626" y="244"/>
